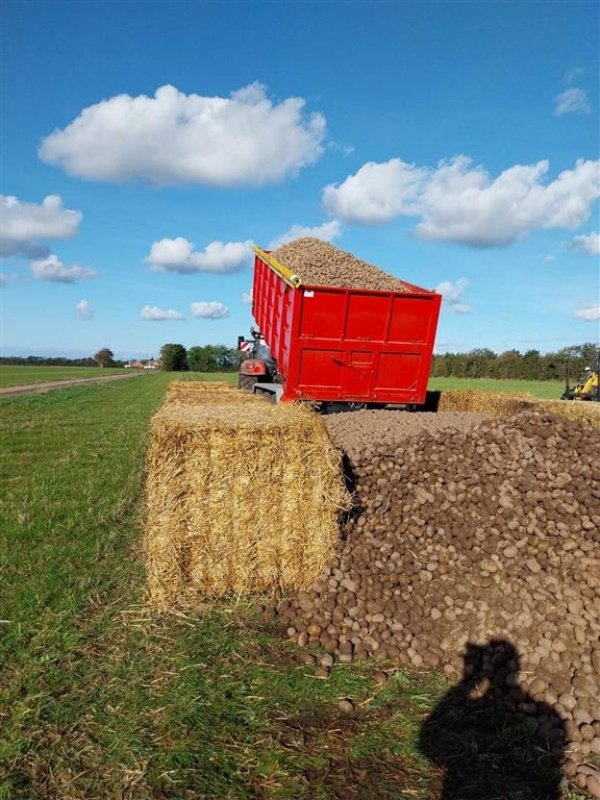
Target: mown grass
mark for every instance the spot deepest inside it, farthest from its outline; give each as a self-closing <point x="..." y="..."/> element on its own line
<point x="14" y="375"/>
<point x="547" y="390"/>
<point x="100" y="699"/>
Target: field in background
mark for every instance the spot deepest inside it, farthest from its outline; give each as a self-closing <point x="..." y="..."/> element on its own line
<point x="17" y="375"/>
<point x="101" y="700"/>
<point x="21" y="376"/>
<point x="547" y="390"/>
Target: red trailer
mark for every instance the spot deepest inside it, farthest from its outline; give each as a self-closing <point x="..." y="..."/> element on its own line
<point x="343" y="345"/>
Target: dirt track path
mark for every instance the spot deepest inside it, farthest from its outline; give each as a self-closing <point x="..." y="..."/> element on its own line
<point x="39" y="388"/>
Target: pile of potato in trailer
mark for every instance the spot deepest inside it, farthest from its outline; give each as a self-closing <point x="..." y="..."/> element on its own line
<point x="479" y="522"/>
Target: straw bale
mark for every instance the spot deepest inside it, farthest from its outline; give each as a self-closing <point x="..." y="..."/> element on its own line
<point x="239" y="501"/>
<point x="576" y="410"/>
<point x="501" y="405"/>
<point x="490" y="403"/>
<point x="200" y="392"/>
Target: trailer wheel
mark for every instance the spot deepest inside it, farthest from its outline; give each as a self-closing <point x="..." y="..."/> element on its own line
<point x="247" y="382"/>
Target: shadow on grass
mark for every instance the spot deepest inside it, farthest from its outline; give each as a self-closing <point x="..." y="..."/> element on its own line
<point x="323" y="742"/>
<point x="490" y="738"/>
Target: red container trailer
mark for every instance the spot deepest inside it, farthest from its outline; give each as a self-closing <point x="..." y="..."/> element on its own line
<point x="344" y="345"/>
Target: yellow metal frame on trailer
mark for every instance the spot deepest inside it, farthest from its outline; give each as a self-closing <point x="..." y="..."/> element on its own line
<point x="286" y="274"/>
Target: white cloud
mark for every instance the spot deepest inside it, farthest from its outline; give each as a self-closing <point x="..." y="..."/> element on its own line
<point x="452" y="294"/>
<point x="461" y="203"/>
<point x="52" y="269"/>
<point x="211" y="310"/>
<point x="171" y="138"/>
<point x="587" y="243"/>
<point x="452" y="291"/>
<point x="84" y="309"/>
<point x="26" y="224"/>
<point x="247" y="298"/>
<point x="376" y="193"/>
<point x="153" y="313"/>
<point x="571" y="101"/>
<point x="573" y="74"/>
<point x="178" y="255"/>
<point x="327" y="231"/>
<point x="591" y="313"/>
<point x="462" y="308"/>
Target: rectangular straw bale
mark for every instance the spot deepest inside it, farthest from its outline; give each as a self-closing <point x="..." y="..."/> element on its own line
<point x="239" y="500"/>
<point x="500" y="405"/>
<point x="576" y="410"/>
<point x="197" y="393"/>
<point x="494" y="404"/>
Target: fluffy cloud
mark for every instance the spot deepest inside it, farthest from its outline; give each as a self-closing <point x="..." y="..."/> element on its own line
<point x="155" y="314"/>
<point x="587" y="243"/>
<point x="591" y="313"/>
<point x="247" y="298"/>
<point x="84" y="309"/>
<point x="571" y="101"/>
<point x="461" y="203"/>
<point x="26" y="224"/>
<point x="51" y="268"/>
<point x="376" y="193"/>
<point x="327" y="232"/>
<point x="452" y="294"/>
<point x="211" y="310"/>
<point x="171" y="138"/>
<point x="178" y="255"/>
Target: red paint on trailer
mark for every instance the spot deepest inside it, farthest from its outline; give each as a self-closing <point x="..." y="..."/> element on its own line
<point x="348" y="345"/>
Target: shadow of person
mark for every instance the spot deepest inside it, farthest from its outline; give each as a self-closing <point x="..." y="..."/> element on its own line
<point x="491" y="739"/>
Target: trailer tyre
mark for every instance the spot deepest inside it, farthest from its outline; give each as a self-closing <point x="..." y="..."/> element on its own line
<point x="247" y="382"/>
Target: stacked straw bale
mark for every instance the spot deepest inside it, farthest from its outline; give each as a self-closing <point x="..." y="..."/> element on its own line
<point x="503" y="404"/>
<point x="488" y="403"/>
<point x="576" y="410"/>
<point x="200" y="393"/>
<point x="239" y="499"/>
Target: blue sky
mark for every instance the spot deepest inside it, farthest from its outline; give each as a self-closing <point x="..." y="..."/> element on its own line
<point x="147" y="144"/>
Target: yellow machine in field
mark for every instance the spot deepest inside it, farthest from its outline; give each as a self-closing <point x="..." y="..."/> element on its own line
<point x="587" y="388"/>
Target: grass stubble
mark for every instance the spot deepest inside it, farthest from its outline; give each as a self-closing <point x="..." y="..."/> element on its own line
<point x="99" y="698"/>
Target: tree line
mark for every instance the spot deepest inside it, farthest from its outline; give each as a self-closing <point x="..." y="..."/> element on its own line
<point x="530" y="365"/>
<point x="206" y="358"/>
<point x="478" y="363"/>
<point x="103" y="358"/>
<point x="173" y="357"/>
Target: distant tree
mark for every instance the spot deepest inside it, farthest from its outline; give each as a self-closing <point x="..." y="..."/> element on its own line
<point x="199" y="359"/>
<point x="173" y="358"/>
<point x="480" y="363"/>
<point x="509" y="364"/>
<point x="104" y="357"/>
<point x="532" y="365"/>
<point x="213" y="358"/>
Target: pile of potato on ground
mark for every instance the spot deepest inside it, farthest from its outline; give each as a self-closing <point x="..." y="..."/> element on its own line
<point x="466" y="530"/>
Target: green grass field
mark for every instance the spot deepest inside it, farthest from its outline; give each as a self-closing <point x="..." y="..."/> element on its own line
<point x="22" y="375"/>
<point x="102" y="700"/>
<point x="546" y="390"/>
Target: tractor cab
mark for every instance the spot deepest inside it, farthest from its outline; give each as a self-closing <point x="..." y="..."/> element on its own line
<point x="258" y="364"/>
